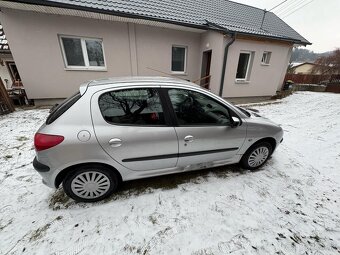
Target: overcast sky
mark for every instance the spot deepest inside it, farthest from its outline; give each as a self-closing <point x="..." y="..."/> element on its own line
<point x="318" y="21"/>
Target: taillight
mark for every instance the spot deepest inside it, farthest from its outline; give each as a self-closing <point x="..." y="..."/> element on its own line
<point x="43" y="141"/>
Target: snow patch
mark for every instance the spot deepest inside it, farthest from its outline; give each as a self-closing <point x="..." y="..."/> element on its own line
<point x="290" y="206"/>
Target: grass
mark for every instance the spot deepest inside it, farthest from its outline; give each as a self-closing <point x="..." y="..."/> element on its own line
<point x="22" y="138"/>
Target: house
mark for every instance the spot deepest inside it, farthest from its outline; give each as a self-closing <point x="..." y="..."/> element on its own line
<point x="8" y="70"/>
<point x="303" y="68"/>
<point x="238" y="50"/>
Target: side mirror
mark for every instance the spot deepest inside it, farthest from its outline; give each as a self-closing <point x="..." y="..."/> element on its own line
<point x="235" y="122"/>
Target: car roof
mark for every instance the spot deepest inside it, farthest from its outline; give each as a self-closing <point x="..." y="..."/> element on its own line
<point x="135" y="81"/>
<point x="139" y="79"/>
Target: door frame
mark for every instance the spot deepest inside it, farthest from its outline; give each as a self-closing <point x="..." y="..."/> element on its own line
<point x="128" y="162"/>
<point x="229" y="153"/>
<point x="205" y="69"/>
<point x="213" y="152"/>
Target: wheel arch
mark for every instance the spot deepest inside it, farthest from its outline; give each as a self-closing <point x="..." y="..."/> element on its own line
<point x="62" y="174"/>
<point x="269" y="140"/>
<point x="244" y="160"/>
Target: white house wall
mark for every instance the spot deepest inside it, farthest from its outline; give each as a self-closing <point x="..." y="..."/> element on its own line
<point x="154" y="50"/>
<point x="213" y="41"/>
<point x="130" y="49"/>
<point x="34" y="43"/>
<point x="33" y="38"/>
<point x="264" y="79"/>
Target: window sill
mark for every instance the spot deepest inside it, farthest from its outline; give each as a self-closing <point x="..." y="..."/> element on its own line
<point x="241" y="82"/>
<point x="179" y="73"/>
<point x="86" y="69"/>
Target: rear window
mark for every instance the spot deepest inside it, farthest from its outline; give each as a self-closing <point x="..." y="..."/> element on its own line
<point x="58" y="110"/>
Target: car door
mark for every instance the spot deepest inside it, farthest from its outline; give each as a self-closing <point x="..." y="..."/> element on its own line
<point x="204" y="129"/>
<point x="132" y="127"/>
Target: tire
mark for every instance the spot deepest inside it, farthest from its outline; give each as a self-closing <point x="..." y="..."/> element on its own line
<point x="90" y="183"/>
<point x="251" y="161"/>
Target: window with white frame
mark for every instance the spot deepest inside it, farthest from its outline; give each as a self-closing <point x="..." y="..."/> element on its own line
<point x="266" y="57"/>
<point x="179" y="59"/>
<point x="82" y="53"/>
<point x="244" y="66"/>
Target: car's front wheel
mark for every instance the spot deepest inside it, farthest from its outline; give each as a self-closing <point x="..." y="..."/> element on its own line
<point x="90" y="183"/>
<point x="256" y="155"/>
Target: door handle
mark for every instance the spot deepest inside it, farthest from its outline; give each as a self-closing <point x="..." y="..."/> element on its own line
<point x="115" y="142"/>
<point x="188" y="139"/>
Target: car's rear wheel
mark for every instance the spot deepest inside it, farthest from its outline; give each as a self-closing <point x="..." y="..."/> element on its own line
<point x="90" y="183"/>
<point x="256" y="156"/>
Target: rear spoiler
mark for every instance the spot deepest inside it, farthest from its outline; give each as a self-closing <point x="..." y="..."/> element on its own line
<point x="83" y="87"/>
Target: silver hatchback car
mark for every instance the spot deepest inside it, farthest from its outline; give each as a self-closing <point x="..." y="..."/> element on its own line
<point x="121" y="129"/>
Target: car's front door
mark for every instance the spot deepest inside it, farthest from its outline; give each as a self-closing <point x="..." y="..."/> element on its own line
<point x="132" y="127"/>
<point x="204" y="129"/>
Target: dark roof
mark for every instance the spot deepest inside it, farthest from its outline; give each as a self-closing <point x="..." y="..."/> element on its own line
<point x="234" y="17"/>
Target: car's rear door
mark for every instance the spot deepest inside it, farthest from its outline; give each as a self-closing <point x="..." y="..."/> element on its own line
<point x="204" y="129"/>
<point x="132" y="126"/>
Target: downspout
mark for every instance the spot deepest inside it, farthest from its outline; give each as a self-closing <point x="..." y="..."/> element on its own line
<point x="226" y="49"/>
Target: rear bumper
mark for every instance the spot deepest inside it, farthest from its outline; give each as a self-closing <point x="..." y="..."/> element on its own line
<point x="45" y="173"/>
<point x="40" y="167"/>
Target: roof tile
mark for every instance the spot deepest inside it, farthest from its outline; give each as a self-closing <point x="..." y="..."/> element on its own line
<point x="233" y="16"/>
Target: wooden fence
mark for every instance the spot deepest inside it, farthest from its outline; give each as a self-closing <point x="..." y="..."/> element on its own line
<point x="6" y="104"/>
<point x="311" y="78"/>
<point x="306" y="78"/>
<point x="334" y="87"/>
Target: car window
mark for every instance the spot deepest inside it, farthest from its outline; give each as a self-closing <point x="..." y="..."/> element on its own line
<point x="132" y="107"/>
<point x="193" y="108"/>
<point x="59" y="109"/>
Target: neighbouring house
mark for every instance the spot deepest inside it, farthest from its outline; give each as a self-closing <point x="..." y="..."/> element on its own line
<point x="303" y="68"/>
<point x="238" y="50"/>
<point x="311" y="73"/>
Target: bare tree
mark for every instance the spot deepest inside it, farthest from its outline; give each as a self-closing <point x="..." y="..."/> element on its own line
<point x="290" y="68"/>
<point x="328" y="64"/>
<point x="131" y="102"/>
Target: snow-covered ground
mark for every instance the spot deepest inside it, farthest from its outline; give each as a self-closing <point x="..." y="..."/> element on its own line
<point x="290" y="206"/>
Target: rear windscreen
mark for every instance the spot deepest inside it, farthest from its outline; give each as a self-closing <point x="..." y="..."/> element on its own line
<point x="58" y="110"/>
